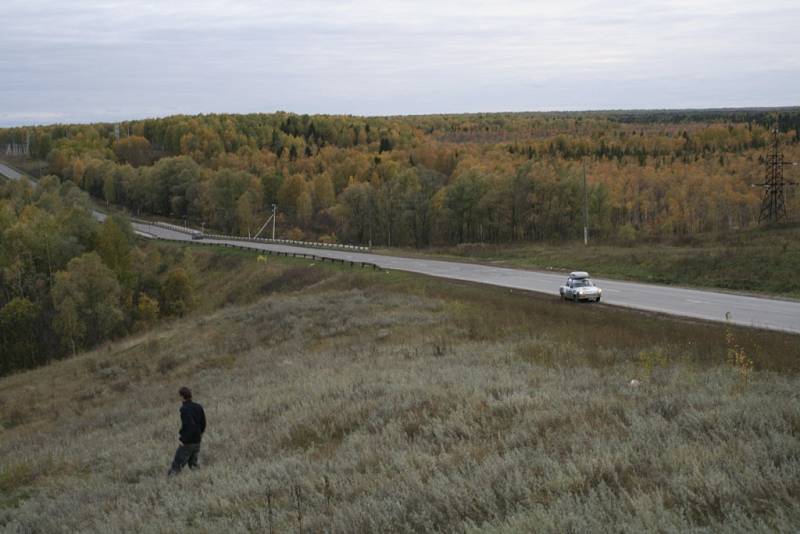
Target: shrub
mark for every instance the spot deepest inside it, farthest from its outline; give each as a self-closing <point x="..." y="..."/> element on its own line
<point x="296" y="234"/>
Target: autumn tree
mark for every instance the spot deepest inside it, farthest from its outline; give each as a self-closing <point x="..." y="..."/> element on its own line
<point x="201" y="143"/>
<point x="323" y="196"/>
<point x="134" y="150"/>
<point x="147" y="312"/>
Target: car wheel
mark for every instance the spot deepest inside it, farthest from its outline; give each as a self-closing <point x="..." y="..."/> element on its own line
<point x="598" y="299"/>
<point x="575" y="297"/>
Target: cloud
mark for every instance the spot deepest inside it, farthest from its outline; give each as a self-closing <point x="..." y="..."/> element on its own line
<point x="74" y="60"/>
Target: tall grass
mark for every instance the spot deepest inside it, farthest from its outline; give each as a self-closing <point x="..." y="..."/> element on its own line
<point x="391" y="403"/>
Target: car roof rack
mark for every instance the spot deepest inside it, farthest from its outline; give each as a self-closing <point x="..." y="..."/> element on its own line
<point x="579" y="274"/>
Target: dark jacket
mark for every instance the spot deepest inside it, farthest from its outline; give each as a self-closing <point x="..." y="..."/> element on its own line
<point x="193" y="422"/>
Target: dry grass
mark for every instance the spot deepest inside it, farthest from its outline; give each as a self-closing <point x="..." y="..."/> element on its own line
<point x="391" y="403"/>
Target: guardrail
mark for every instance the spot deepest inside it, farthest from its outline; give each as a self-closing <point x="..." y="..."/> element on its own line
<point x="268" y="252"/>
<point x="168" y="226"/>
<point x="310" y="244"/>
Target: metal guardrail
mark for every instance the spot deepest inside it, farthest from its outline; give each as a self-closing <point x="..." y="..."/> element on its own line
<point x="311" y="244"/>
<point x="322" y="259"/>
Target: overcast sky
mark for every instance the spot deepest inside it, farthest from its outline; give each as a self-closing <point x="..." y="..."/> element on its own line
<point x="108" y="60"/>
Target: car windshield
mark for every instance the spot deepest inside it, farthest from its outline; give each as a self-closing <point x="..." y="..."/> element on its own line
<point x="584" y="282"/>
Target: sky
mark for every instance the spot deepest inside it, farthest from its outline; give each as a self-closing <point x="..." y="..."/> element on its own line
<point x="110" y="60"/>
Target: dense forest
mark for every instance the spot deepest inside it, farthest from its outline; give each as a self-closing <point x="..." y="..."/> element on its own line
<point x="68" y="282"/>
<point x="436" y="179"/>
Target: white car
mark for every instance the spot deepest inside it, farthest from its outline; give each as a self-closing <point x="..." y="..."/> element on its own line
<point x="580" y="287"/>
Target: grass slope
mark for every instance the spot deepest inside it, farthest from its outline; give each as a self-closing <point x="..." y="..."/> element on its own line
<point x="344" y="401"/>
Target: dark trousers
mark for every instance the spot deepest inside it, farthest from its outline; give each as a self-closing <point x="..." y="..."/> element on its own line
<point x="186" y="453"/>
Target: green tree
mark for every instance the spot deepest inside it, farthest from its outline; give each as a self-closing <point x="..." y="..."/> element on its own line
<point x="354" y="212"/>
<point x="289" y="194"/>
<point x="171" y="186"/>
<point x="114" y="246"/>
<point x="19" y="332"/>
<point x="222" y="195"/>
<point x="270" y="184"/>
<point x="110" y="189"/>
<point x="462" y="199"/>
<point x="176" y="293"/>
<point x="69" y="324"/>
<point x="323" y="194"/>
<point x="86" y="298"/>
<point x="304" y="208"/>
<point x="247" y="213"/>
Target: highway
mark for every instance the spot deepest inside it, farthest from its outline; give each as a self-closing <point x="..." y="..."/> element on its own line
<point x="772" y="314"/>
<point x="8" y="172"/>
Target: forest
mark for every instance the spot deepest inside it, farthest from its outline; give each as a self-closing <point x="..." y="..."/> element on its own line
<point x="68" y="283"/>
<point x="417" y="181"/>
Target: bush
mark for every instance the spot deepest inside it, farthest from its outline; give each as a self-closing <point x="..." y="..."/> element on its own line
<point x="176" y="293"/>
<point x="296" y="234"/>
<point x="627" y="234"/>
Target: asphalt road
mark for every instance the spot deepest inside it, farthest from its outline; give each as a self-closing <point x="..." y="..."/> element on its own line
<point x="772" y="314"/>
<point x="766" y="313"/>
<point x="8" y="172"/>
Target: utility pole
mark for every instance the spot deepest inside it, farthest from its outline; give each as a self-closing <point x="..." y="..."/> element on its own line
<point x="585" y="209"/>
<point x="274" y="210"/>
<point x="271" y="218"/>
<point x="369" y="212"/>
<point x="773" y="205"/>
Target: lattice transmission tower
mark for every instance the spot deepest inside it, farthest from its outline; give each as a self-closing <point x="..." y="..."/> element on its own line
<point x="773" y="205"/>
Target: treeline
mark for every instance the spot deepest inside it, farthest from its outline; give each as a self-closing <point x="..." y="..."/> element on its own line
<point x="438" y="179"/>
<point x="68" y="282"/>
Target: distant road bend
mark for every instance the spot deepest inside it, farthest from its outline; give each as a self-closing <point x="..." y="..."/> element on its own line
<point x="771" y="314"/>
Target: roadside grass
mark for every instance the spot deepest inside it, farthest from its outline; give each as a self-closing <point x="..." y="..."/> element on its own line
<point x="343" y="400"/>
<point x="756" y="261"/>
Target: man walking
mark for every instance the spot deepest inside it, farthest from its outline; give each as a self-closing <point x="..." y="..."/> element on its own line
<point x="193" y="424"/>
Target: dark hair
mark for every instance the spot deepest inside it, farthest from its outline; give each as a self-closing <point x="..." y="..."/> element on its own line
<point x="185" y="392"/>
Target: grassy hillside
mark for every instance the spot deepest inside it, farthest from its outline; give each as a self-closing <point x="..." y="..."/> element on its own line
<point x="758" y="261"/>
<point x="351" y="401"/>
